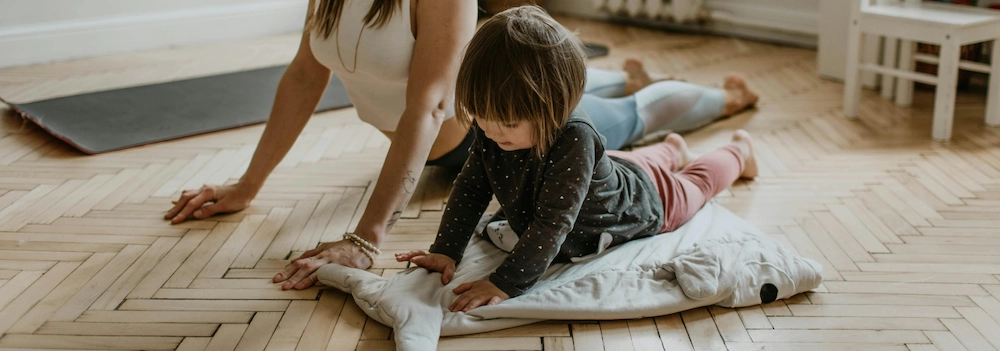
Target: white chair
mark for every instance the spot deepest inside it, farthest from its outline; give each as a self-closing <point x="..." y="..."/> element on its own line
<point x="911" y="21"/>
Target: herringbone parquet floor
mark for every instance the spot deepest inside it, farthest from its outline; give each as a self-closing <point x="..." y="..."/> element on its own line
<point x="908" y="230"/>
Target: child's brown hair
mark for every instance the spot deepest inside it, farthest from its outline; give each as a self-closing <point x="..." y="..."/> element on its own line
<point x="522" y="66"/>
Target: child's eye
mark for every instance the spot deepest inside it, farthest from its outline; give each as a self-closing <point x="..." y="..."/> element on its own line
<point x="510" y="125"/>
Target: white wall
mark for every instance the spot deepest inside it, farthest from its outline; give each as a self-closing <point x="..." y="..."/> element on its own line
<point x="37" y="31"/>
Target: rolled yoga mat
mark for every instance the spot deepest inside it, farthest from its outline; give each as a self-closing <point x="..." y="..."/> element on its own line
<point x="117" y="119"/>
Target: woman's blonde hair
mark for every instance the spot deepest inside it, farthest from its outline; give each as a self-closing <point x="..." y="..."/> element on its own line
<point x="326" y="16"/>
<point x="522" y="66"/>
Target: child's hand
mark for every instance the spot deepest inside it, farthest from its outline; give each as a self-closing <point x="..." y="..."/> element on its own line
<point x="431" y="261"/>
<point x="475" y="294"/>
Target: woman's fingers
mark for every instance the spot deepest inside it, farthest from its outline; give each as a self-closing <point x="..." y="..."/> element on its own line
<point x="192" y="205"/>
<point x="306" y="268"/>
<point x="186" y="196"/>
<point x="285" y="274"/>
<point x="293" y="268"/>
<point x="311" y="253"/>
<point x="210" y="210"/>
<point x="308" y="282"/>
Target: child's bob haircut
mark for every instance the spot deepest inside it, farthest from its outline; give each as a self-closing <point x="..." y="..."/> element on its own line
<point x="522" y="66"/>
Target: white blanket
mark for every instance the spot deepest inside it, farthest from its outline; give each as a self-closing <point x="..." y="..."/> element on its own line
<point x="716" y="258"/>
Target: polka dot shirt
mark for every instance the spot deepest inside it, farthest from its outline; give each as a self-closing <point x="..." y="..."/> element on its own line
<point x="558" y="205"/>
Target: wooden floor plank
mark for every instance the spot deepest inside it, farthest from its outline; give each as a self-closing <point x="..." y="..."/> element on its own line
<point x="127" y="329"/>
<point x="54" y="300"/>
<point x="194" y="264"/>
<point x="166" y="267"/>
<point x="286" y="336"/>
<point x="89" y="342"/>
<point x="98" y="316"/>
<point x="616" y="336"/>
<point x="967" y="334"/>
<point x="842" y="323"/>
<point x="259" y="331"/>
<point x="227" y="337"/>
<point x="99" y="283"/>
<point x="741" y="346"/>
<point x="702" y="330"/>
<point x="121" y="288"/>
<point x="730" y="325"/>
<point x="587" y="337"/>
<point x="347" y="332"/>
<point x="223" y="259"/>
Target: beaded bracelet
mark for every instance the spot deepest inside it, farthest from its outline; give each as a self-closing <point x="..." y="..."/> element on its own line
<point x="366" y="247"/>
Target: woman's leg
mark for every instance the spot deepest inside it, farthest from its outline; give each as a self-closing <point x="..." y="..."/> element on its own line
<point x="685" y="192"/>
<point x="611" y="84"/>
<point x="679" y="106"/>
<point x="665" y="105"/>
<point x="605" y="83"/>
<point x="615" y="118"/>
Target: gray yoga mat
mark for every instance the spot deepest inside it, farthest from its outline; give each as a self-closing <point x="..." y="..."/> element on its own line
<point x="122" y="118"/>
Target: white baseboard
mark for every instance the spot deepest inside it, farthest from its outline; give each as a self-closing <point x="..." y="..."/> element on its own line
<point x="31" y="44"/>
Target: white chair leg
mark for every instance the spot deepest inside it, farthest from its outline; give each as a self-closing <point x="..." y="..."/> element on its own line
<point x="904" y="87"/>
<point x="889" y="61"/>
<point x="871" y="49"/>
<point x="993" y="94"/>
<point x="944" y="96"/>
<point x="852" y="76"/>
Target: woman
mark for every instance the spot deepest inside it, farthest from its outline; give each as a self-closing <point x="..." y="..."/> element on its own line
<point x="399" y="60"/>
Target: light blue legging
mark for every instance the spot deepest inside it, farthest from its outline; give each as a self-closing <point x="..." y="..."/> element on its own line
<point x="666" y="105"/>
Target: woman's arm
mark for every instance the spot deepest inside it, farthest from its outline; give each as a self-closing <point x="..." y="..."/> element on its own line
<point x="443" y="30"/>
<point x="299" y="91"/>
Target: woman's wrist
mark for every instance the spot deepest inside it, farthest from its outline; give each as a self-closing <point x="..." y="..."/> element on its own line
<point x="373" y="237"/>
<point x="248" y="186"/>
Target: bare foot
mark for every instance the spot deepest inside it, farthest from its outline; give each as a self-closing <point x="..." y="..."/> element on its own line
<point x="678" y="143"/>
<point x="637" y="77"/>
<point x="738" y="94"/>
<point x="743" y="140"/>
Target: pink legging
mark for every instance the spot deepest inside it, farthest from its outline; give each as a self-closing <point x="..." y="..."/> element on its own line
<point x="685" y="192"/>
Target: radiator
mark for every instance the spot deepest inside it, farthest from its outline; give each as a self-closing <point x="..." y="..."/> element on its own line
<point x="679" y="11"/>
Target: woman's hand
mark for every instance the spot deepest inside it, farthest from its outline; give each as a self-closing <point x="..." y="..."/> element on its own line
<point x="475" y="294"/>
<point x="301" y="273"/>
<point x="432" y="262"/>
<point x="223" y="199"/>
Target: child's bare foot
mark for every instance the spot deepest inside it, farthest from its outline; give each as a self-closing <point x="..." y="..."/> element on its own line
<point x="738" y="94"/>
<point x="637" y="77"/>
<point x="686" y="156"/>
<point x="743" y="140"/>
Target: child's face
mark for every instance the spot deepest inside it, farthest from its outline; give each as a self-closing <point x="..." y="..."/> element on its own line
<point x="509" y="137"/>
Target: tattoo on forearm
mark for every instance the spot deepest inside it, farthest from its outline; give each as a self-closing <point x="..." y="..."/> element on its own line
<point x="392" y="220"/>
<point x="409" y="183"/>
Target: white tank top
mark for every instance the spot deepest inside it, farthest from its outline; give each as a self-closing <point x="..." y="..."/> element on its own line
<point x="377" y="86"/>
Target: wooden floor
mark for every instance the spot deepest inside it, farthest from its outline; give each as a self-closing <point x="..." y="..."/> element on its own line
<point x="908" y="230"/>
